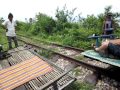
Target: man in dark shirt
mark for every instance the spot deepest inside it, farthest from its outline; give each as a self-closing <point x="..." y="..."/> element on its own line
<point x="108" y="25"/>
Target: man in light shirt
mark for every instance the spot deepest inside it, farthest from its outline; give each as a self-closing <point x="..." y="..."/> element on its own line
<point x="10" y="31"/>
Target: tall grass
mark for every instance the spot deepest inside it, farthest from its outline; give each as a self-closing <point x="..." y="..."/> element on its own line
<point x="3" y="39"/>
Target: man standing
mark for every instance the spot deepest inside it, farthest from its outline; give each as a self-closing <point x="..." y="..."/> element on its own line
<point x="10" y="31"/>
<point x="108" y="25"/>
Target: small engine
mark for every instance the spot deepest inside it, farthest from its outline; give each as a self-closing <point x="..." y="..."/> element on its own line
<point x="3" y="54"/>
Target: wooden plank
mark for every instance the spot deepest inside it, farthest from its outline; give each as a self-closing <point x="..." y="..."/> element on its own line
<point x="95" y="55"/>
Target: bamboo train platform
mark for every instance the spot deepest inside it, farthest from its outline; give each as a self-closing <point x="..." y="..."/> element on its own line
<point x="54" y="78"/>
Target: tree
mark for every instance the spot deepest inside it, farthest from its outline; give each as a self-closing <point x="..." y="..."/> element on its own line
<point x="65" y="18"/>
<point x="1" y="21"/>
<point x="115" y="16"/>
<point x="61" y="15"/>
<point x="44" y="23"/>
<point x="96" y="22"/>
<point x="90" y="22"/>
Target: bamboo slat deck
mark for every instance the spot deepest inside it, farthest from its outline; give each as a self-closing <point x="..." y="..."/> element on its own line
<point x="57" y="75"/>
<point x="23" y="72"/>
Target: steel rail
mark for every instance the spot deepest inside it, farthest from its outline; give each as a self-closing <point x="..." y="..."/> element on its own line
<point x="82" y="63"/>
<point x="98" y="70"/>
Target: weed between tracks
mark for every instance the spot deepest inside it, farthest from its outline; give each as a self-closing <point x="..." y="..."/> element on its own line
<point x="79" y="57"/>
<point x="79" y="86"/>
<point x="46" y="54"/>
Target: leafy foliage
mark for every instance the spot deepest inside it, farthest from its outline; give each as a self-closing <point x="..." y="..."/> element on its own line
<point x="3" y="39"/>
<point x="1" y="21"/>
<point x="65" y="18"/>
<point x="44" y="23"/>
<point x="97" y="22"/>
<point x="90" y="22"/>
<point x="67" y="28"/>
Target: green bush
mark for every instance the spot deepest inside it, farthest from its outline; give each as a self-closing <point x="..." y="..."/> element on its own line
<point x="65" y="29"/>
<point x="79" y="86"/>
<point x="44" y="23"/>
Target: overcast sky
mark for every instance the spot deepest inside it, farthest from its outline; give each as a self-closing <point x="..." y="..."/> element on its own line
<point x="22" y="9"/>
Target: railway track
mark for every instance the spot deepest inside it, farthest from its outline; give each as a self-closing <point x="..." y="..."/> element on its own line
<point x="73" y="54"/>
<point x="58" y="50"/>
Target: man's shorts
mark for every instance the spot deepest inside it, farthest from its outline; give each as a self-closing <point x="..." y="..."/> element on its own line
<point x="114" y="50"/>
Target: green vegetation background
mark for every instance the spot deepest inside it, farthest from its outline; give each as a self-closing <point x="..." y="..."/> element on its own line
<point x="66" y="28"/>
